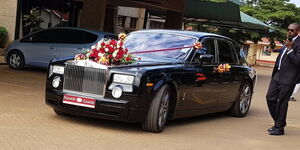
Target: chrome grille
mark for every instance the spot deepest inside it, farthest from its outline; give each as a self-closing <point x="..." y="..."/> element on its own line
<point x="85" y="80"/>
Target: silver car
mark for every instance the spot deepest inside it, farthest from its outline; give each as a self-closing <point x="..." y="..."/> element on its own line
<point x="39" y="48"/>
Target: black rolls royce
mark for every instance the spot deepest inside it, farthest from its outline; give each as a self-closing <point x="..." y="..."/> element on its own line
<point x="172" y="79"/>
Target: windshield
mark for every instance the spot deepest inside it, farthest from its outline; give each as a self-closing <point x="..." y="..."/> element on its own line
<point x="159" y="44"/>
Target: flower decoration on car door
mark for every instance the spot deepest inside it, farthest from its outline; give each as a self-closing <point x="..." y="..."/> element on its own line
<point x="223" y="68"/>
<point x="197" y="45"/>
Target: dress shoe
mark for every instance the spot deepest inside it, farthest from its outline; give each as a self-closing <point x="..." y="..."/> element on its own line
<point x="271" y="129"/>
<point x="292" y="99"/>
<point x="277" y="132"/>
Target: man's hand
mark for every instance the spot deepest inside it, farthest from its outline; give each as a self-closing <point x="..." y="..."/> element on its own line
<point x="288" y="44"/>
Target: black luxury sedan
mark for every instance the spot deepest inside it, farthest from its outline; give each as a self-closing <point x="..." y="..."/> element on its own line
<point x="172" y="79"/>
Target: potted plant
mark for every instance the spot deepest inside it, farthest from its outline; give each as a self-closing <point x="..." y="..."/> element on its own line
<point x="3" y="37"/>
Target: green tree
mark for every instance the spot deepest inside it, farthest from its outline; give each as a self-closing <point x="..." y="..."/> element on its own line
<point x="33" y="20"/>
<point x="276" y="13"/>
<point x="3" y="37"/>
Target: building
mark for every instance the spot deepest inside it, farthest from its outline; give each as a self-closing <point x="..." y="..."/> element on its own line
<point x="103" y="15"/>
<point x="260" y="53"/>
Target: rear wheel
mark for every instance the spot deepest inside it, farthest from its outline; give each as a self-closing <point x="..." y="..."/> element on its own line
<point x="242" y="103"/>
<point x="158" y="112"/>
<point x="16" y="60"/>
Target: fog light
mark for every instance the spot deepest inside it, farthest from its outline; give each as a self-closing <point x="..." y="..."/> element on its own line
<point x="117" y="92"/>
<point x="56" y="82"/>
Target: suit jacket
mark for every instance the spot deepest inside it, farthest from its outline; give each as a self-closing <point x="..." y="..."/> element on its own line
<point x="290" y="65"/>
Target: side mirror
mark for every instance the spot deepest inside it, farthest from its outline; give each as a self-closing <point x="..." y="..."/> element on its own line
<point x="206" y="58"/>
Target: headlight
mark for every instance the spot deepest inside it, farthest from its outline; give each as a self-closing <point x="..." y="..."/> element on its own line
<point x="58" y="69"/>
<point x="56" y="81"/>
<point x="117" y="92"/>
<point x="126" y="79"/>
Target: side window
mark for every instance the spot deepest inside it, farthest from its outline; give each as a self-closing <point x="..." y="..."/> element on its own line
<point x="47" y="36"/>
<point x="226" y="52"/>
<point x="40" y="37"/>
<point x="89" y="37"/>
<point x="78" y="37"/>
<point x="209" y="45"/>
<point x="71" y="36"/>
<point x="110" y="37"/>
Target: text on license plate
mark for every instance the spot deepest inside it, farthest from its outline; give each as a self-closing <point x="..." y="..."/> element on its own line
<point x="79" y="101"/>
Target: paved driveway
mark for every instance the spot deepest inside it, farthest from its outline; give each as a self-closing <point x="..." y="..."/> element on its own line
<point x="26" y="122"/>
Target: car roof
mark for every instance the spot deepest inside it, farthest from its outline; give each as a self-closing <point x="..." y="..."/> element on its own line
<point x="182" y="32"/>
<point x="81" y="29"/>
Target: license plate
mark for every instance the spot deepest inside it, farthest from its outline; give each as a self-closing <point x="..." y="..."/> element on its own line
<point x="79" y="101"/>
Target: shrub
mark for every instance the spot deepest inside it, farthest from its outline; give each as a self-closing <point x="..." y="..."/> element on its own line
<point x="3" y="37"/>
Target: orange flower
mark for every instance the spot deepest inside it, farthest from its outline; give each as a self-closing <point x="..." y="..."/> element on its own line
<point x="197" y="45"/>
<point x="122" y="36"/>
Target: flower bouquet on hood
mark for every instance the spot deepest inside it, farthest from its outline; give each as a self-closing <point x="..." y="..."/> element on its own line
<point x="108" y="52"/>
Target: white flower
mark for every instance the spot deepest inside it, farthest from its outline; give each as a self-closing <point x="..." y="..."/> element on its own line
<point x="106" y="49"/>
<point x="115" y="53"/>
<point x="98" y="45"/>
<point x="100" y="55"/>
<point x="93" y="47"/>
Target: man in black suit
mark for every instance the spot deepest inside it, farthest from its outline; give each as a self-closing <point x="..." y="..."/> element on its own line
<point x="285" y="75"/>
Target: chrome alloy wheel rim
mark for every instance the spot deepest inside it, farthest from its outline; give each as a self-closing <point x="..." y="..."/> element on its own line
<point x="15" y="60"/>
<point x="163" y="110"/>
<point x="245" y="98"/>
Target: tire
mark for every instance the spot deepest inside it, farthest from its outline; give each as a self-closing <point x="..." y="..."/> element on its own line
<point x="59" y="113"/>
<point x="16" y="60"/>
<point x="242" y="103"/>
<point x="158" y="113"/>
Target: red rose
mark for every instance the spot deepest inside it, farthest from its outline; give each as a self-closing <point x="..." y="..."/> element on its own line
<point x="113" y="42"/>
<point x="102" y="44"/>
<point x="102" y="51"/>
<point x="140" y="58"/>
<point x="111" y="49"/>
<point x="121" y="52"/>
<point x="121" y="44"/>
<point x="126" y="50"/>
<point x="128" y="58"/>
<point x="110" y="56"/>
<point x="119" y="56"/>
<point x="94" y="55"/>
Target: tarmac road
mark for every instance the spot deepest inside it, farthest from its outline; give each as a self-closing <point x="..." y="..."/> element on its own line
<point x="26" y="122"/>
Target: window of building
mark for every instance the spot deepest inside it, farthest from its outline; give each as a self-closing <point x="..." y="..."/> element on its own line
<point x="156" y="25"/>
<point x="121" y="21"/>
<point x="133" y="22"/>
<point x="266" y="50"/>
<point x="43" y="14"/>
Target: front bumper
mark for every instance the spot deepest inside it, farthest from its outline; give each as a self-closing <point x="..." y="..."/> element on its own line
<point x="105" y="108"/>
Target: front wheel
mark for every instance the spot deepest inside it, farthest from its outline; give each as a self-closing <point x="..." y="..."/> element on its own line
<point x="242" y="103"/>
<point x="158" y="112"/>
<point x="16" y="60"/>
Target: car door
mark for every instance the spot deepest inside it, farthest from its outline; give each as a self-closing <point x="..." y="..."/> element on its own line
<point x="206" y="90"/>
<point x="40" y="48"/>
<point x="229" y="79"/>
<point x="74" y="41"/>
